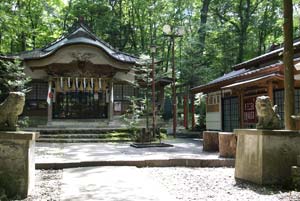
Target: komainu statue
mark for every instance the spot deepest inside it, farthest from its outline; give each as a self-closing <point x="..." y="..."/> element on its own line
<point x="267" y="115"/>
<point x="10" y="109"/>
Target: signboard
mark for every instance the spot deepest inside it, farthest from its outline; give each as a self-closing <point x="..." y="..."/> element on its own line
<point x="117" y="106"/>
<point x="249" y="111"/>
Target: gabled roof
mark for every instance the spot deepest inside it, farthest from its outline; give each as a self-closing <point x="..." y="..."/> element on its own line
<point x="264" y="58"/>
<point x="236" y="76"/>
<point x="79" y="35"/>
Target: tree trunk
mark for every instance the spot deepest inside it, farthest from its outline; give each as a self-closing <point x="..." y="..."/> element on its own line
<point x="202" y="29"/>
<point x="289" y="93"/>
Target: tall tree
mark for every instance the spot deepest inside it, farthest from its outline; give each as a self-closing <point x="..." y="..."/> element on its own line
<point x="203" y="28"/>
<point x="288" y="54"/>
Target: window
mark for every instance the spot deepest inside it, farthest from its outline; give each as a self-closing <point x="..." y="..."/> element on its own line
<point x="279" y="101"/>
<point x="38" y="91"/>
<point x="231" y="114"/>
<point x="118" y="92"/>
<point x="128" y="91"/>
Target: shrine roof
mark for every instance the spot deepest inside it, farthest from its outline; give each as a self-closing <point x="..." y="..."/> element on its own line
<point x="79" y="35"/>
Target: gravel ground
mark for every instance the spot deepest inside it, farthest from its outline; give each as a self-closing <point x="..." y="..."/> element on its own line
<point x="214" y="184"/>
<point x="187" y="184"/>
<point x="47" y="185"/>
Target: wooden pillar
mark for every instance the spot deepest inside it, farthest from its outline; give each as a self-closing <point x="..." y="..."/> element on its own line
<point x="241" y="108"/>
<point x="50" y="106"/>
<point x="185" y="103"/>
<point x="193" y="111"/>
<point x="111" y="101"/>
<point x="270" y="91"/>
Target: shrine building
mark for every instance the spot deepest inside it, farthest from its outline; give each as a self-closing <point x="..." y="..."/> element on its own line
<point x="230" y="102"/>
<point x="86" y="78"/>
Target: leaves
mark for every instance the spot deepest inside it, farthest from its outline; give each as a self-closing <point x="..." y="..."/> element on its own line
<point x="217" y="35"/>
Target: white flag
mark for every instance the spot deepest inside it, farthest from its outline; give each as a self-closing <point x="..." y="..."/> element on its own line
<point x="49" y="96"/>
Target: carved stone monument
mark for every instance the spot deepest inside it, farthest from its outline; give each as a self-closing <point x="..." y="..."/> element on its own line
<point x="10" y="109"/>
<point x="17" y="164"/>
<point x="265" y="155"/>
<point x="267" y="115"/>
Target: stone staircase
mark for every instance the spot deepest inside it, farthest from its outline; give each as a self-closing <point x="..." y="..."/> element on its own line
<point x="296" y="175"/>
<point x="82" y="135"/>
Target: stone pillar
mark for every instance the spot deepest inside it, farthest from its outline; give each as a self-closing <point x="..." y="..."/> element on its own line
<point x="50" y="106"/>
<point x="17" y="167"/>
<point x="266" y="156"/>
<point x="111" y="101"/>
<point x="241" y="96"/>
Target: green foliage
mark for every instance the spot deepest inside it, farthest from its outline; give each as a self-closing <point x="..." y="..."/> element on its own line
<point x="133" y="115"/>
<point x="235" y="30"/>
<point x="24" y="122"/>
<point x="200" y="106"/>
<point x="12" y="78"/>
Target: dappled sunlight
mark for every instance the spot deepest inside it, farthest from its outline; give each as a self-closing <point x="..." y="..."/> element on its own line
<point x="111" y="183"/>
<point x="78" y="152"/>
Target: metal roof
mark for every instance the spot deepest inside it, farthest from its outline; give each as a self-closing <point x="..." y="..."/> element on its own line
<point x="81" y="35"/>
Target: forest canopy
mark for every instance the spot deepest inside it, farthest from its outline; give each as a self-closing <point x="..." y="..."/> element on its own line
<point x="218" y="34"/>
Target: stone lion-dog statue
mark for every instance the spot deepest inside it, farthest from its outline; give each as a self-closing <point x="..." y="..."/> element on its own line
<point x="10" y="109"/>
<point x="268" y="117"/>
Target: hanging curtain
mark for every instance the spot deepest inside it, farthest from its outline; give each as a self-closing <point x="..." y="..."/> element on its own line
<point x="73" y="84"/>
<point x="57" y="85"/>
<point x="76" y="83"/>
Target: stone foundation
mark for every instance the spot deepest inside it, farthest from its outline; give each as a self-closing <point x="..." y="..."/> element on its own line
<point x="227" y="144"/>
<point x="17" y="163"/>
<point x="266" y="156"/>
<point x="211" y="141"/>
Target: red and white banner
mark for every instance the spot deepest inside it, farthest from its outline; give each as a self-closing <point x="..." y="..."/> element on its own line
<point x="49" y="96"/>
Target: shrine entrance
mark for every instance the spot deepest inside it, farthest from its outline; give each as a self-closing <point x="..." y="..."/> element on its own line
<point x="79" y="98"/>
<point x="80" y="105"/>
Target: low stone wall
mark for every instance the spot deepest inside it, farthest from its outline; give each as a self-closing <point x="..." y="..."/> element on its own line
<point x="227" y="144"/>
<point x="266" y="156"/>
<point x="211" y="141"/>
<point x="17" y="163"/>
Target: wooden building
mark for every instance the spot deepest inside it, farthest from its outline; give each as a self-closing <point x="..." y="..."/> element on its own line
<point x="231" y="98"/>
<point x="87" y="78"/>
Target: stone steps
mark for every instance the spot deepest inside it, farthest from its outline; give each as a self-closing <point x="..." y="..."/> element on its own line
<point x="71" y="130"/>
<point x="84" y="136"/>
<point x="65" y="140"/>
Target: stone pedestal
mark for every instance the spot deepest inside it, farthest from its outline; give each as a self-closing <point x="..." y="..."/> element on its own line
<point x="266" y="156"/>
<point x="211" y="141"/>
<point x="227" y="144"/>
<point x="17" y="166"/>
